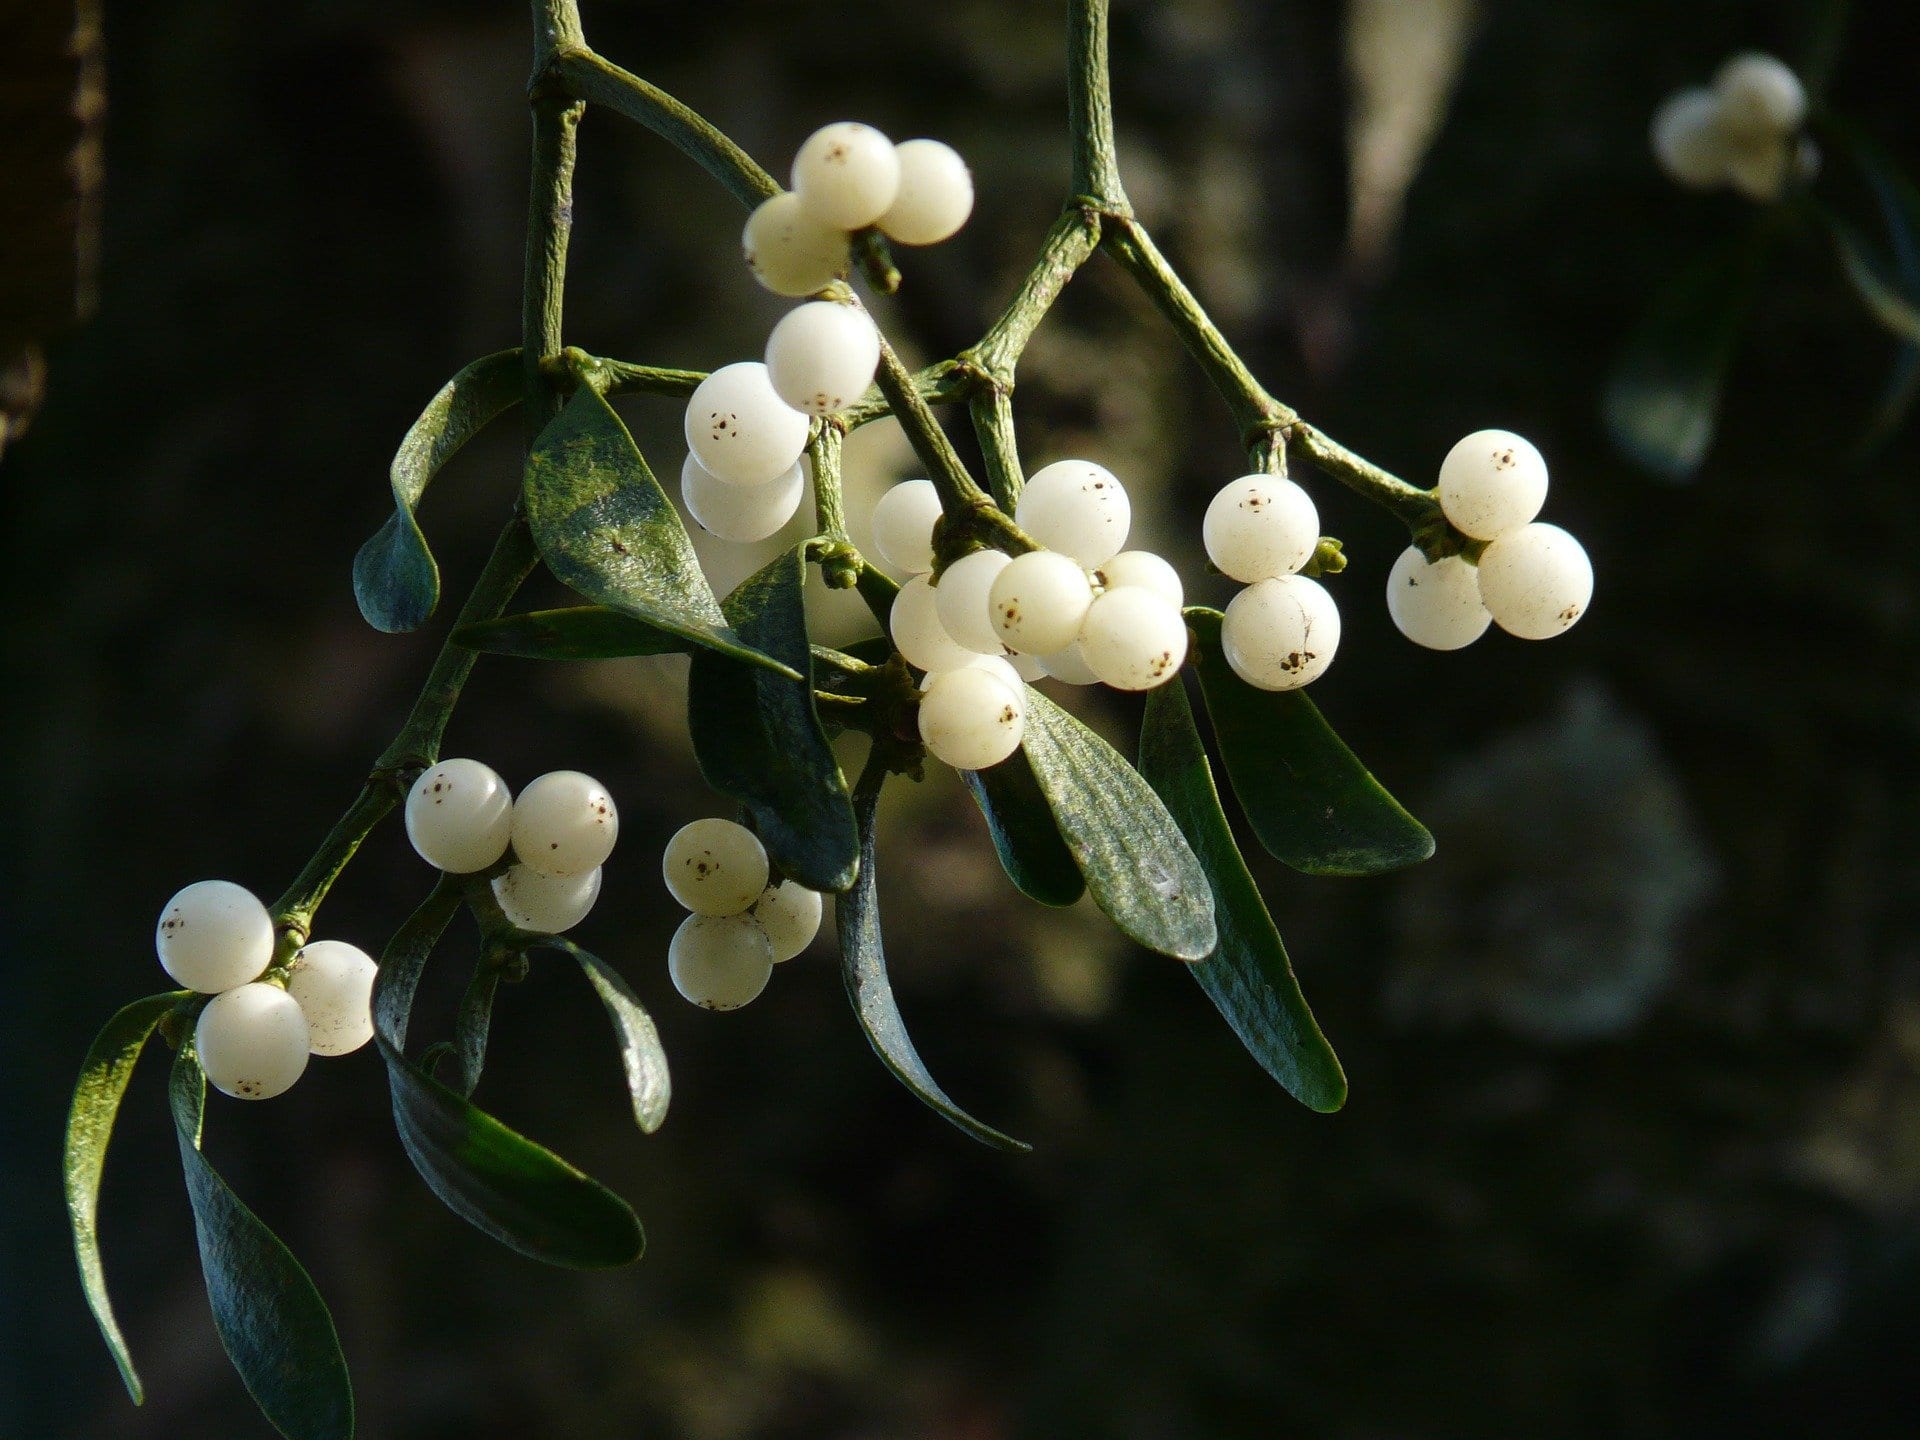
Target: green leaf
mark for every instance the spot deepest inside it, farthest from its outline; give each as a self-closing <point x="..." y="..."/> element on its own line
<point x="1309" y="800"/>
<point x="489" y="1175"/>
<point x="1249" y="977"/>
<point x="758" y="737"/>
<point x="1034" y="856"/>
<point x="1662" y="401"/>
<point x="1138" y="866"/>
<point x="641" y="1053"/>
<point x="1880" y="292"/>
<point x="394" y="575"/>
<point x="863" y="964"/>
<point x="96" y="1103"/>
<point x="472" y="1023"/>
<point x="606" y="529"/>
<point x="273" y="1323"/>
<point x="585" y="632"/>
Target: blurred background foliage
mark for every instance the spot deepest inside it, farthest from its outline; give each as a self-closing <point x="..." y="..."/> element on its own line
<point x="1634" y="1147"/>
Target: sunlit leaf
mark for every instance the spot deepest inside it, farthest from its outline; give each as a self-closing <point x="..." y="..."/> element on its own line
<point x="1309" y="800"/>
<point x="584" y="632"/>
<point x="1249" y="977"/>
<point x="641" y="1054"/>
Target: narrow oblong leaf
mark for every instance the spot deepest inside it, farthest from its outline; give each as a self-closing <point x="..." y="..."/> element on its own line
<point x="1027" y="841"/>
<point x="1308" y="798"/>
<point x="759" y="740"/>
<point x="1138" y="866"/>
<point x="583" y="632"/>
<point x="488" y="1174"/>
<point x="863" y="964"/>
<point x="472" y="1023"/>
<point x="96" y="1103"/>
<point x="1249" y="978"/>
<point x="607" y="530"/>
<point x="273" y="1323"/>
<point x="1661" y="403"/>
<point x="641" y="1053"/>
<point x="395" y="579"/>
<point x="1881" y="294"/>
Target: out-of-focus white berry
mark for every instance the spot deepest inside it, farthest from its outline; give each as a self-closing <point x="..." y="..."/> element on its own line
<point x="459" y="816"/>
<point x="1260" y="526"/>
<point x="970" y="718"/>
<point x="720" y="962"/>
<point x="846" y="174"/>
<point x="1280" y="634"/>
<point x="961" y="600"/>
<point x="742" y="432"/>
<point x="1069" y="666"/>
<point x="715" y="867"/>
<point x="1537" y="581"/>
<point x="1690" y="139"/>
<point x="1133" y="639"/>
<point x="332" y="982"/>
<point x="214" y="935"/>
<point x="822" y="355"/>
<point x="546" y="904"/>
<point x="1436" y="605"/>
<point x="790" y="914"/>
<point x="564" y="823"/>
<point x="740" y="513"/>
<point x="914" y="624"/>
<point x="903" y="521"/>
<point x="1760" y="96"/>
<point x="1039" y="600"/>
<point x="1760" y="168"/>
<point x="935" y="195"/>
<point x="789" y="251"/>
<point x="1147" y="570"/>
<point x="1492" y="481"/>
<point x="1078" y="508"/>
<point x="252" y="1041"/>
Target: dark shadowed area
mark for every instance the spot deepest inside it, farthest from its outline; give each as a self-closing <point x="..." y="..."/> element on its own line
<point x="1633" y="1147"/>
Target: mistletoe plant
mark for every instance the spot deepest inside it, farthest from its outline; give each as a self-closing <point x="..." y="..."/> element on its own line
<point x="1010" y="581"/>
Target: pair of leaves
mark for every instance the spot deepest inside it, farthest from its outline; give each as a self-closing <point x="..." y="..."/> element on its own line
<point x="491" y="1176"/>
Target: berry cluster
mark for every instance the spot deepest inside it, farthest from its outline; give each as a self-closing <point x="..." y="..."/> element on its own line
<point x="1742" y="131"/>
<point x="255" y="1035"/>
<point x="743" y="922"/>
<point x="462" y="819"/>
<point x="747" y="423"/>
<point x="1281" y="631"/>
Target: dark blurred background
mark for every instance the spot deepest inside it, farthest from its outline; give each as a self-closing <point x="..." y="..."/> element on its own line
<point x="1633" y="1147"/>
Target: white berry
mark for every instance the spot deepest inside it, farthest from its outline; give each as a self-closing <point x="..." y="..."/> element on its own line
<point x="1147" y="570"/>
<point x="252" y="1041"/>
<point x="1078" y="508"/>
<point x="564" y="823"/>
<point x="459" y="816"/>
<point x="971" y="719"/>
<point x="720" y="962"/>
<point x="1260" y="526"/>
<point x="214" y="935"/>
<point x="961" y="600"/>
<point x="1133" y="639"/>
<point x="903" y="521"/>
<point x="935" y="195"/>
<point x="1690" y="139"/>
<point x="789" y="251"/>
<point x="740" y="513"/>
<point x="846" y="174"/>
<point x="914" y="624"/>
<point x="1760" y="96"/>
<point x="546" y="904"/>
<point x="1436" y="605"/>
<point x="715" y="867"/>
<point x="1069" y="666"/>
<point x="1039" y="600"/>
<point x="1760" y="168"/>
<point x="1491" y="482"/>
<point x="1028" y="667"/>
<point x="822" y="355"/>
<point x="1537" y="581"/>
<point x="332" y="982"/>
<point x="1280" y="634"/>
<point x="742" y="431"/>
<point x="790" y="914"/>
